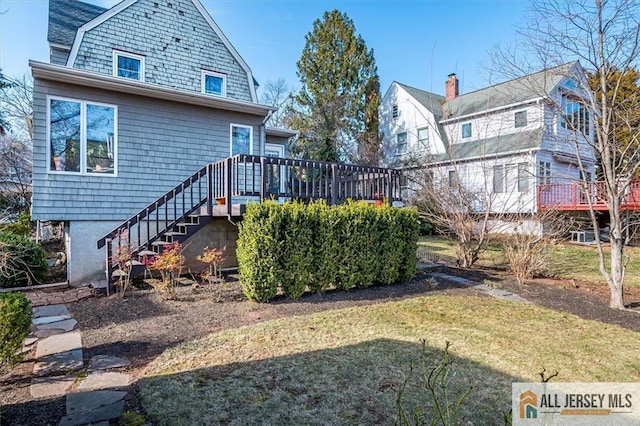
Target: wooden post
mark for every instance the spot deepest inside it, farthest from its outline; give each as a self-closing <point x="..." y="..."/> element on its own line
<point x="334" y="184"/>
<point x="209" y="190"/>
<point x="109" y="269"/>
<point x="390" y="186"/>
<point x="263" y="178"/>
<point x="228" y="164"/>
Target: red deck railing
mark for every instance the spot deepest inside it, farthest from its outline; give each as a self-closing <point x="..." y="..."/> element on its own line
<point x="574" y="196"/>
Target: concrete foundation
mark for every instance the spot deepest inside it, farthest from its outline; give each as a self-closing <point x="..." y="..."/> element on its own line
<point x="86" y="264"/>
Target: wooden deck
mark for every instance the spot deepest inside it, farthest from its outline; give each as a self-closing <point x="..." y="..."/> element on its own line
<point x="575" y="196"/>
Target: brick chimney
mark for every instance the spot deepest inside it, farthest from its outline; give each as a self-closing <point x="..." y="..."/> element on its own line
<point x="451" y="87"/>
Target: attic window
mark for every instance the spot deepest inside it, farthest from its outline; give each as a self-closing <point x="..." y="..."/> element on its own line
<point x="214" y="83"/>
<point x="394" y="111"/>
<point x="128" y="65"/>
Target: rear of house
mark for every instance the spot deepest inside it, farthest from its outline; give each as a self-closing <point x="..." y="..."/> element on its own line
<point x="136" y="99"/>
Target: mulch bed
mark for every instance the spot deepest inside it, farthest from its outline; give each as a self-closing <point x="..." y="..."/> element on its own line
<point x="142" y="325"/>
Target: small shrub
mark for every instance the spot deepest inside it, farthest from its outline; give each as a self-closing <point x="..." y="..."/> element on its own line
<point x="214" y="258"/>
<point x="15" y="320"/>
<point x="436" y="379"/>
<point x="170" y="264"/>
<point x="123" y="258"/>
<point x="22" y="226"/>
<point x="22" y="262"/>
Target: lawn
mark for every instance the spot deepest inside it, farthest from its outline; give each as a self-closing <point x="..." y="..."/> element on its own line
<point x="568" y="261"/>
<point x="342" y="366"/>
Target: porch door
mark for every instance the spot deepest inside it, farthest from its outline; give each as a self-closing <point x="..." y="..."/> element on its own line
<point x="275" y="175"/>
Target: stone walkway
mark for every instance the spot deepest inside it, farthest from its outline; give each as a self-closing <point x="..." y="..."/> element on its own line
<point x="95" y="394"/>
<point x="493" y="292"/>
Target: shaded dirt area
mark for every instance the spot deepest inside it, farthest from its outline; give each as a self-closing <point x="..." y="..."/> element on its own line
<point x="142" y="325"/>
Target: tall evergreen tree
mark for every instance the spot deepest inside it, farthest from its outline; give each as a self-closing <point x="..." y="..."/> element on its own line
<point x="338" y="76"/>
<point x="4" y="124"/>
<point x="625" y="115"/>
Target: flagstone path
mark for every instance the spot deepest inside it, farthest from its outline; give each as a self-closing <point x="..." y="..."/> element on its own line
<point x="95" y="394"/>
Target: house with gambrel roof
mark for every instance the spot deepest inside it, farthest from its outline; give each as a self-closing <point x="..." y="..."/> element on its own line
<point x="147" y="131"/>
<point x="507" y="139"/>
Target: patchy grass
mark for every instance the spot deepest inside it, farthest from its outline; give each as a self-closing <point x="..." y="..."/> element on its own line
<point x="342" y="366"/>
<point x="568" y="261"/>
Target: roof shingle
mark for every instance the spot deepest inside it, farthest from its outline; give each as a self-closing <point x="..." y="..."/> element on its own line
<point x="66" y="16"/>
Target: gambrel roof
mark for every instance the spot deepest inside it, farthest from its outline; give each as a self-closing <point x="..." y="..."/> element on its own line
<point x="66" y="16"/>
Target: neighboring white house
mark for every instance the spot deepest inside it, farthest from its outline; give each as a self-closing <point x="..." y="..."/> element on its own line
<point x="507" y="139"/>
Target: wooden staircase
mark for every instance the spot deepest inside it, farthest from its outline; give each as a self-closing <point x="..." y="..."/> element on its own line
<point x="188" y="207"/>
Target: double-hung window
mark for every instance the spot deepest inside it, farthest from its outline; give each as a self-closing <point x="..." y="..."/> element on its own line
<point x="523" y="177"/>
<point x="241" y="139"/>
<point x="544" y="171"/>
<point x="214" y="83"/>
<point x="82" y="136"/>
<point x="128" y="65"/>
<point x="423" y="138"/>
<point x="499" y="179"/>
<point x="401" y="143"/>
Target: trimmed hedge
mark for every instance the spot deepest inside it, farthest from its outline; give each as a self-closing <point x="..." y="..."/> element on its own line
<point x="22" y="262"/>
<point x="295" y="248"/>
<point x="15" y="320"/>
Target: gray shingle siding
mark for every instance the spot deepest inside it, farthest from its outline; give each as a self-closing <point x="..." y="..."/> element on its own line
<point x="177" y="43"/>
<point x="59" y="56"/>
<point x="160" y="143"/>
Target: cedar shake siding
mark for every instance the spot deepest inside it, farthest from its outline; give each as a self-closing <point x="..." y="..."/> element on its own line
<point x="176" y="42"/>
<point x="159" y="144"/>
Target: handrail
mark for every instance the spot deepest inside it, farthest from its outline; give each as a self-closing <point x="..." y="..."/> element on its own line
<point x="573" y="196"/>
<point x="152" y="207"/>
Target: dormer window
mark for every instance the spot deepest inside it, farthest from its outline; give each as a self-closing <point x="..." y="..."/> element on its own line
<point x="214" y="83"/>
<point x="128" y="65"/>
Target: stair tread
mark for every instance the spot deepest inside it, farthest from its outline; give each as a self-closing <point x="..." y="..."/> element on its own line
<point x="147" y="253"/>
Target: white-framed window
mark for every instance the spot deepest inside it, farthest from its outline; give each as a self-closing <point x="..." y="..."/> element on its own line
<point x="520" y="119"/>
<point x="574" y="115"/>
<point x="423" y="138"/>
<point x="523" y="177"/>
<point x="499" y="179"/>
<point x="128" y="65"/>
<point x="544" y="171"/>
<point x="401" y="143"/>
<point x="241" y="139"/>
<point x="82" y="136"/>
<point x="466" y="130"/>
<point x="453" y="179"/>
<point x="214" y="83"/>
<point x="394" y="111"/>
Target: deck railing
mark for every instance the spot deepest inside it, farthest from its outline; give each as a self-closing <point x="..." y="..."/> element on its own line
<point x="575" y="196"/>
<point x="245" y="178"/>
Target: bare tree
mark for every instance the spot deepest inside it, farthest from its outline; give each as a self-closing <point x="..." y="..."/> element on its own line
<point x="15" y="175"/>
<point x="604" y="35"/>
<point x="277" y="94"/>
<point x="16" y="103"/>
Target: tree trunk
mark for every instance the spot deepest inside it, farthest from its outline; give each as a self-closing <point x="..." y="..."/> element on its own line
<point x="616" y="276"/>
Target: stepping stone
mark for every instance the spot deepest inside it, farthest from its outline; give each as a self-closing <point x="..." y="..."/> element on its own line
<point x="30" y="341"/>
<point x="89" y="401"/>
<point x="104" y="380"/>
<point x="44" y="387"/>
<point x="47" y="320"/>
<point x="106" y="362"/>
<point x="59" y="363"/>
<point x="50" y="311"/>
<point x="46" y="332"/>
<point x="66" y="325"/>
<point x="101" y="414"/>
<point x="59" y="343"/>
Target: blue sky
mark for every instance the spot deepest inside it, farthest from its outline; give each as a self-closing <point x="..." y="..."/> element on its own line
<point x="417" y="42"/>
